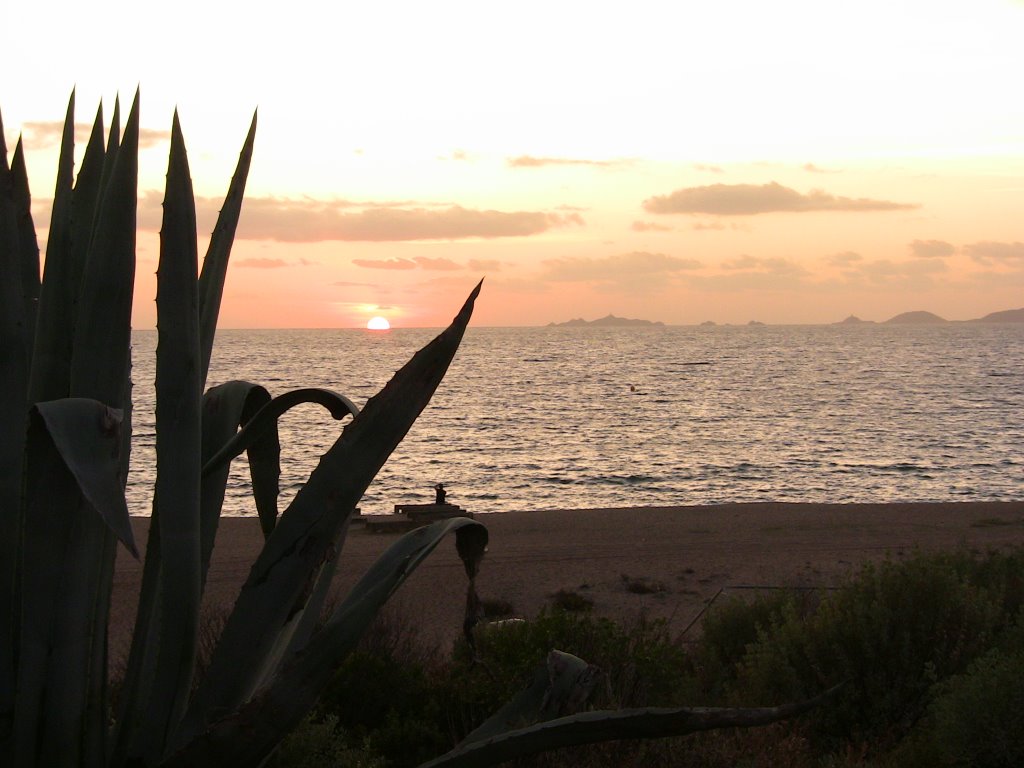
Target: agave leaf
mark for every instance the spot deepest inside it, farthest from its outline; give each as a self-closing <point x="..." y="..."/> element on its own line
<point x="51" y="357"/>
<point x="225" y="407"/>
<point x="73" y="452"/>
<point x="178" y="449"/>
<point x="29" y="247"/>
<point x="141" y="662"/>
<point x="75" y="688"/>
<point x="247" y="736"/>
<point x="87" y="435"/>
<point x="310" y="530"/>
<point x="113" y="144"/>
<point x="102" y="328"/>
<point x="215" y="264"/>
<point x="612" y="725"/>
<point x="85" y="204"/>
<point x="560" y="686"/>
<point x="259" y="437"/>
<point x="51" y="506"/>
<point x="13" y="388"/>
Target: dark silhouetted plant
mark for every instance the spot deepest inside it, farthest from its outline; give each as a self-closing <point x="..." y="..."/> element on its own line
<point x="65" y="439"/>
<point x="65" y="427"/>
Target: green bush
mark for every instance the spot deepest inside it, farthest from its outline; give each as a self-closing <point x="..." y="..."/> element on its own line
<point x="974" y="719"/>
<point x="891" y="633"/>
<point x="316" y="743"/>
<point x="730" y="627"/>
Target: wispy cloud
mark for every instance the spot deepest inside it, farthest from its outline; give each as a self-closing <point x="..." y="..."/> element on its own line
<point x="750" y="199"/>
<point x="708" y="168"/>
<point x="437" y="265"/>
<point x="484" y="265"/>
<point x="844" y="259"/>
<point x="311" y="221"/>
<point x="46" y="134"/>
<point x="812" y="168"/>
<point x="528" y="161"/>
<point x="746" y="272"/>
<point x="626" y="266"/>
<point x="774" y="265"/>
<point x="385" y="263"/>
<point x="649" y="226"/>
<point x="988" y="251"/>
<point x="932" y="249"/>
<point x="425" y="263"/>
<point x="258" y="263"/>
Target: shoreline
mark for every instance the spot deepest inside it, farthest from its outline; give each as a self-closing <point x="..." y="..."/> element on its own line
<point x="690" y="552"/>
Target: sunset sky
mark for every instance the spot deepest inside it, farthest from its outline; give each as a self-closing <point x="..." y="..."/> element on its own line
<point x="789" y="162"/>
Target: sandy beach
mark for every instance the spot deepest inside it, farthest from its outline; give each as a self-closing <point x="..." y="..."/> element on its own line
<point x="687" y="554"/>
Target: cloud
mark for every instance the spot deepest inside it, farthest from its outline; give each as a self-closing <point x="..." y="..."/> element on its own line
<point x="258" y="263"/>
<point x="911" y="274"/>
<point x="350" y="284"/>
<point x="46" y="134"/>
<point x="753" y="273"/>
<point x="417" y="262"/>
<point x="774" y="266"/>
<point x="626" y="266"/>
<point x="987" y="252"/>
<point x="883" y="268"/>
<point x="528" y="161"/>
<point x="932" y="249"/>
<point x="701" y="226"/>
<point x="310" y="221"/>
<point x="812" y="168"/>
<point x="649" y="226"/>
<point x="385" y="263"/>
<point x="437" y="265"/>
<point x="750" y="199"/>
<point x="844" y="259"/>
<point x="708" y="168"/>
<point x="484" y="265"/>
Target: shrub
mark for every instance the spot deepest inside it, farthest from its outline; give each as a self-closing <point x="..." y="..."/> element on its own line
<point x="892" y="633"/>
<point x="567" y="600"/>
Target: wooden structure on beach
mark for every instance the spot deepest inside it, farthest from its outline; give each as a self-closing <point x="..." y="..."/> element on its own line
<point x="409" y="516"/>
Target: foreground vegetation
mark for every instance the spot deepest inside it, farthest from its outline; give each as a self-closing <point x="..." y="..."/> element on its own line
<point x="931" y="649"/>
<point x="65" y="449"/>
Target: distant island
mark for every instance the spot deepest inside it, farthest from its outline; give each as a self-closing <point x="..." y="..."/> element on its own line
<point x="930" y="318"/>
<point x="608" y="321"/>
<point x="916" y="318"/>
<point x="854" y="320"/>
<point x="1006" y="316"/>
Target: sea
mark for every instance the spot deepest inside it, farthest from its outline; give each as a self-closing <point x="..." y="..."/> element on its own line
<point x="567" y="418"/>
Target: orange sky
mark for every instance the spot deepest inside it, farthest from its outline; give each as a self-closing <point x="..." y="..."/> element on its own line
<point x="788" y="162"/>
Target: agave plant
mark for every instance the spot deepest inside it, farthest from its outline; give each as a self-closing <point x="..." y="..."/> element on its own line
<point x="65" y="428"/>
<point x="65" y="439"/>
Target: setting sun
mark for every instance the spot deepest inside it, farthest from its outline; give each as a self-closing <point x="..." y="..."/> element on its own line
<point x="378" y="324"/>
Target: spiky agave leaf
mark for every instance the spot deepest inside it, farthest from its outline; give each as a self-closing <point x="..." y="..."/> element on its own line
<point x="13" y="388"/>
<point x="215" y="264"/>
<point x="141" y="661"/>
<point x="51" y="357"/>
<point x="29" y="255"/>
<point x="311" y="529"/>
<point x="612" y="725"/>
<point x="246" y="737"/>
<point x="258" y="437"/>
<point x="68" y="724"/>
<point x="176" y="498"/>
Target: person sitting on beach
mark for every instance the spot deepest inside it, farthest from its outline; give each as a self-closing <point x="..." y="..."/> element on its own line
<point x="439" y="493"/>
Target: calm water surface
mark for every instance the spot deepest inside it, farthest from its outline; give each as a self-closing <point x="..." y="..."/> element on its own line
<point x="547" y="418"/>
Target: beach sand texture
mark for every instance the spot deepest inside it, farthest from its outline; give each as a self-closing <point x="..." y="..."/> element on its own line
<point x="692" y="552"/>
